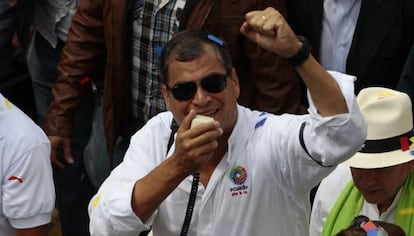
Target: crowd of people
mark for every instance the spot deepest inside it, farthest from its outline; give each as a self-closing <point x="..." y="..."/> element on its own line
<point x="311" y="129"/>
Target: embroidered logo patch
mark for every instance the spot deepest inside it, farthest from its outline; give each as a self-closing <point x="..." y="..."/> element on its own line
<point x="238" y="176"/>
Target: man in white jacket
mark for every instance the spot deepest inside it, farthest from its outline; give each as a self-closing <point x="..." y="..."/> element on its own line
<point x="255" y="170"/>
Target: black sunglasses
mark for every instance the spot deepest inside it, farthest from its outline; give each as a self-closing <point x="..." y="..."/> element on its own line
<point x="215" y="83"/>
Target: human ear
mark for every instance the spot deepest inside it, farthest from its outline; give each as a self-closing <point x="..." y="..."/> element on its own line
<point x="166" y="96"/>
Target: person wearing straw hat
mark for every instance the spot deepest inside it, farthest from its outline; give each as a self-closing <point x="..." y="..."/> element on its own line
<point x="378" y="181"/>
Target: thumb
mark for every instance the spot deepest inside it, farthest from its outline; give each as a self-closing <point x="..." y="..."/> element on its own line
<point x="186" y="124"/>
<point x="67" y="152"/>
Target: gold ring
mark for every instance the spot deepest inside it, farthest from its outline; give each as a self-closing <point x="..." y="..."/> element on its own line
<point x="264" y="18"/>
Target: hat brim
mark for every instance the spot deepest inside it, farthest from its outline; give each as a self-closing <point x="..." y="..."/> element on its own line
<point x="380" y="160"/>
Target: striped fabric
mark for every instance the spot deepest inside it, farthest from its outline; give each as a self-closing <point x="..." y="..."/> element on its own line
<point x="154" y="23"/>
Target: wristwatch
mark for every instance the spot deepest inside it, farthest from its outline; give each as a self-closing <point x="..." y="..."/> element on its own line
<point x="302" y="54"/>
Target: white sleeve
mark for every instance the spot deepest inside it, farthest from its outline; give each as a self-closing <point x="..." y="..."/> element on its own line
<point x="316" y="144"/>
<point x="110" y="209"/>
<point x="332" y="140"/>
<point x="28" y="190"/>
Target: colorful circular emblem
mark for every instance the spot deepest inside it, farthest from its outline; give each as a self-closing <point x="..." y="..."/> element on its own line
<point x="238" y="175"/>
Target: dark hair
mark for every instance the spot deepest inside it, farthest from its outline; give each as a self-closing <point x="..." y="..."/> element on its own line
<point x="188" y="45"/>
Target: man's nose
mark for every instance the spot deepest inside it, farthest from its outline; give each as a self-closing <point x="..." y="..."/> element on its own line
<point x="201" y="96"/>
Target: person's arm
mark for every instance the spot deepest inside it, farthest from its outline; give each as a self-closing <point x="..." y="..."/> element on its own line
<point x="269" y="29"/>
<point x="278" y="86"/>
<point x="82" y="56"/>
<point x="28" y="193"/>
<point x="324" y="90"/>
<point x="127" y="201"/>
<point x="335" y="128"/>
<point x="193" y="149"/>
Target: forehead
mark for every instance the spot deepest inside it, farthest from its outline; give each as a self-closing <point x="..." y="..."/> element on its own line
<point x="207" y="63"/>
<point x="384" y="172"/>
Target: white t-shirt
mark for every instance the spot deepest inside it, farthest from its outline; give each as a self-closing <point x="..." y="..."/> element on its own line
<point x="328" y="192"/>
<point x="261" y="186"/>
<point x="26" y="185"/>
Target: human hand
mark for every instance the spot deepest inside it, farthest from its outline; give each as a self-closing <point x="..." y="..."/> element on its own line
<point x="60" y="147"/>
<point x="194" y="147"/>
<point x="270" y="30"/>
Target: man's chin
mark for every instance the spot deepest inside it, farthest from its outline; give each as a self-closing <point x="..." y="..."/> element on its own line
<point x="372" y="198"/>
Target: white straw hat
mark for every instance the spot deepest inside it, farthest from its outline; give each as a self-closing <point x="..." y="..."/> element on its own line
<point x="390" y="128"/>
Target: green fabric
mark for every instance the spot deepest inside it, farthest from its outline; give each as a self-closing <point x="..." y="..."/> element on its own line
<point x="346" y="207"/>
<point x="405" y="208"/>
<point x="349" y="203"/>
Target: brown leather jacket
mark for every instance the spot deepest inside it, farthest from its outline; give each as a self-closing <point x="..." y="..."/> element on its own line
<point x="267" y="83"/>
<point x="96" y="48"/>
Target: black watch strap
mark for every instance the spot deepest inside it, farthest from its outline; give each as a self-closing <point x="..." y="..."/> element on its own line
<point x="302" y="54"/>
